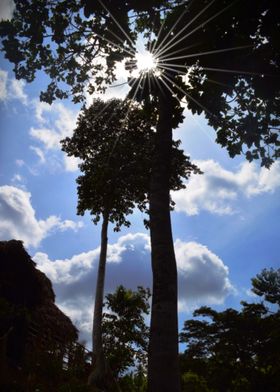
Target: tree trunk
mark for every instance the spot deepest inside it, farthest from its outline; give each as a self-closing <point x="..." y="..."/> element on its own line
<point x="163" y="363"/>
<point x="99" y="372"/>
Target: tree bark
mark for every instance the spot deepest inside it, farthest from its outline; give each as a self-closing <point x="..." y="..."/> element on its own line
<point x="99" y="371"/>
<point x="163" y="361"/>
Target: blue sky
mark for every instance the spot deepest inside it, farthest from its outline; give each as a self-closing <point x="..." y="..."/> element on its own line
<point x="225" y="224"/>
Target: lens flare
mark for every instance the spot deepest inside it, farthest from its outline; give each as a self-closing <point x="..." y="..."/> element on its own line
<point x="145" y="62"/>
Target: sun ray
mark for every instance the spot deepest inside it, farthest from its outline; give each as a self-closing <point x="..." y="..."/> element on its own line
<point x="186" y="67"/>
<point x="157" y="80"/>
<point x="205" y="53"/>
<point x="169" y="32"/>
<point x="115" y="45"/>
<point x="167" y="46"/>
<point x="201" y="25"/>
<point x="181" y="73"/>
<point x="178" y="51"/>
<point x="188" y="95"/>
<point x="117" y="23"/>
<point x="121" y="40"/>
<point x="158" y="35"/>
<point x="139" y="80"/>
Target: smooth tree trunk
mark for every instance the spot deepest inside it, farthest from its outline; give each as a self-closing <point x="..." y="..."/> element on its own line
<point x="163" y="361"/>
<point x="98" y="376"/>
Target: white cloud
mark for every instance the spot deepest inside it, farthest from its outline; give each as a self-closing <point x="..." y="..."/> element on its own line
<point x="3" y="85"/>
<point x="71" y="164"/>
<point x="58" y="122"/>
<point x="6" y="9"/>
<point x="18" y="218"/>
<point x="11" y="89"/>
<point x="216" y="190"/>
<point x="203" y="276"/>
<point x="40" y="153"/>
<point x="54" y="123"/>
<point x="16" y="91"/>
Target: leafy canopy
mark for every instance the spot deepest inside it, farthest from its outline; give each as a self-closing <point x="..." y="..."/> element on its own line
<point x="237" y="350"/>
<point x="115" y="142"/>
<point x="125" y="334"/>
<point x="230" y="51"/>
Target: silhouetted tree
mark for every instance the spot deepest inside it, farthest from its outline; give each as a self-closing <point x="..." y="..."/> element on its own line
<point x="267" y="285"/>
<point x="115" y="142"/>
<point x="235" y="350"/>
<point x="230" y="51"/>
<point x="124" y="330"/>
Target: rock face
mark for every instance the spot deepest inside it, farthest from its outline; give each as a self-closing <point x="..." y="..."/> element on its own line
<point x="29" y="318"/>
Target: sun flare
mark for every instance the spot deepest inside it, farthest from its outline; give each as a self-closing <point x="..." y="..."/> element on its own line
<point x="145" y="62"/>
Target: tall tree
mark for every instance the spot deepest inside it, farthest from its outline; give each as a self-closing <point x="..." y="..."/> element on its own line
<point x="114" y="179"/>
<point x="114" y="141"/>
<point x="228" y="50"/>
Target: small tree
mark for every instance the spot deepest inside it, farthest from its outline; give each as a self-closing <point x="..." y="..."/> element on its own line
<point x="124" y="330"/>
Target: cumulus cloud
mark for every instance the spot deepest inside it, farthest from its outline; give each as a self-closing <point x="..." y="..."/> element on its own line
<point x="216" y="190"/>
<point x="6" y="9"/>
<point x="3" y="85"/>
<point x="203" y="276"/>
<point x="18" y="218"/>
<point x="12" y="89"/>
<point x="56" y="122"/>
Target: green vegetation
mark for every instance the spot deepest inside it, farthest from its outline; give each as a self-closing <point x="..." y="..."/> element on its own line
<point x="235" y="44"/>
<point x="236" y="350"/>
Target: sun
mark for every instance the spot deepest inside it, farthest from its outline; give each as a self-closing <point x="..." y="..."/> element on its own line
<point x="145" y="62"/>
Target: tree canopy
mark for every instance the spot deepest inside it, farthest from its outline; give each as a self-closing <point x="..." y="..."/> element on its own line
<point x="125" y="333"/>
<point x="115" y="142"/>
<point x="236" y="350"/>
<point x="229" y="51"/>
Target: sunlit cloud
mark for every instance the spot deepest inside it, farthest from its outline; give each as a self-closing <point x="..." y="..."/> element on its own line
<point x="19" y="221"/>
<point x="203" y="276"/>
<point x="12" y="89"/>
<point x="218" y="189"/>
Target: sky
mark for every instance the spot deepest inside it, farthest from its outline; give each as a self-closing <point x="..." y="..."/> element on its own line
<point x="225" y="224"/>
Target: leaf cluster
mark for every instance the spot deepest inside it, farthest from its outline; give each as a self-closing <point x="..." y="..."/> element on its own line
<point x="115" y="142"/>
<point x="229" y="51"/>
<point x="125" y="334"/>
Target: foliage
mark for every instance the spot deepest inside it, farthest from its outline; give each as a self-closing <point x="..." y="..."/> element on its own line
<point x="191" y="382"/>
<point x="134" y="381"/>
<point x="232" y="60"/>
<point x="235" y="350"/>
<point x="125" y="334"/>
<point x="115" y="142"/>
<point x="231" y="53"/>
<point x="267" y="285"/>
